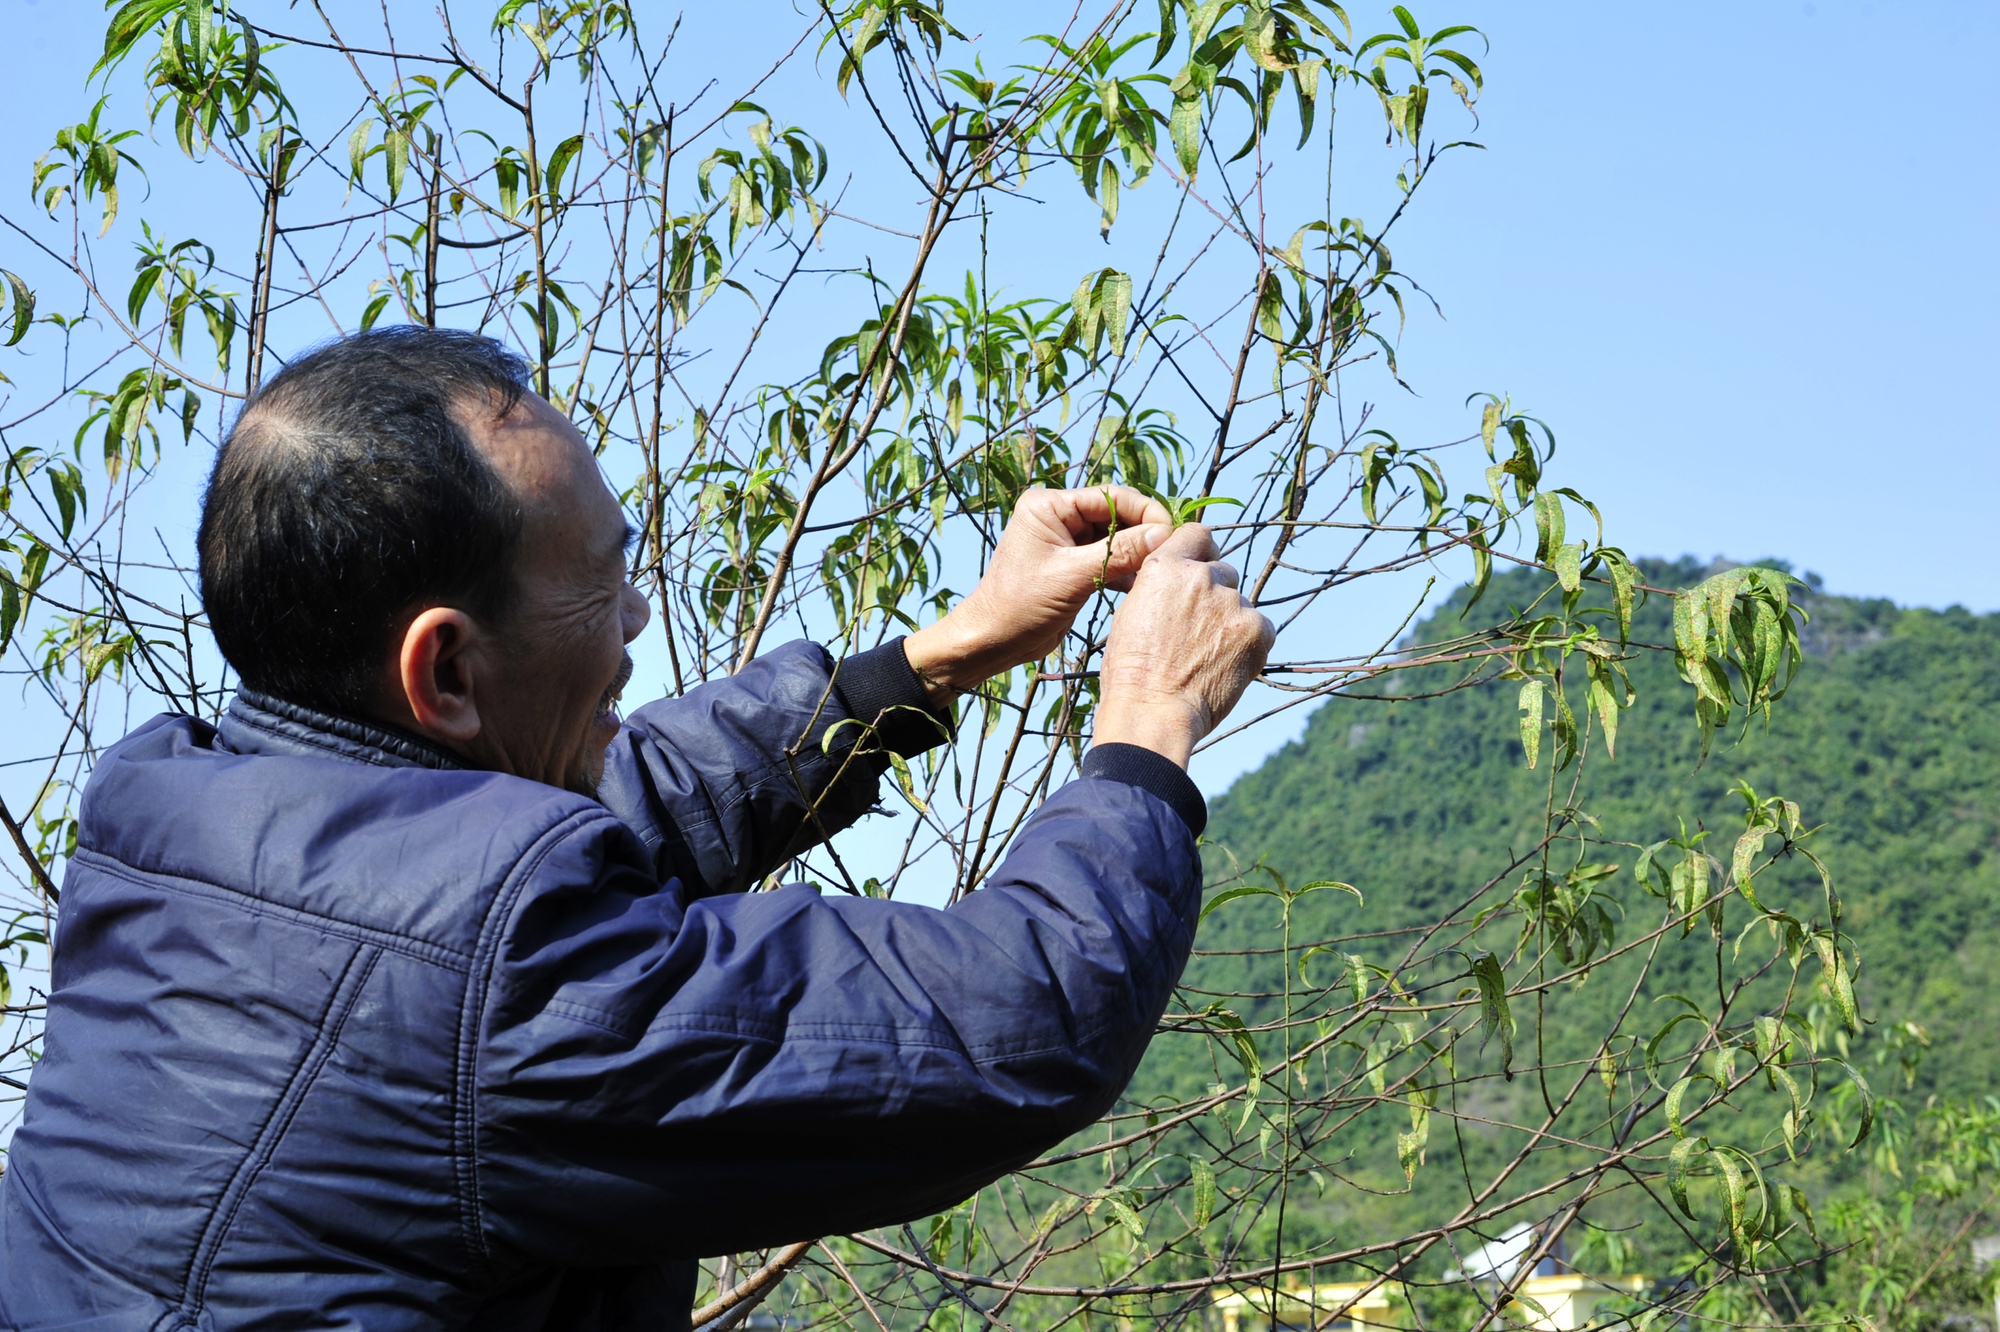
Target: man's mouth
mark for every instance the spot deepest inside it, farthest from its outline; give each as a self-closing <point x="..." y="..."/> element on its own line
<point x="616" y="689"/>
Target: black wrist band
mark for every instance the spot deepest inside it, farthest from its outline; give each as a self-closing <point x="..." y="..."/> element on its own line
<point x="880" y="687"/>
<point x="1135" y="765"/>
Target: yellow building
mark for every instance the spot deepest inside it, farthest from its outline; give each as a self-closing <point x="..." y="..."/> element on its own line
<point x="1359" y="1306"/>
<point x="1566" y="1302"/>
<point x="1561" y="1303"/>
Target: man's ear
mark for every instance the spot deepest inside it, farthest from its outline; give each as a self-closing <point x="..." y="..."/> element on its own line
<point x="435" y="674"/>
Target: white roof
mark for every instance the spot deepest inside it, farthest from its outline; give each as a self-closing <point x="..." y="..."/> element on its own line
<point x="1497" y="1260"/>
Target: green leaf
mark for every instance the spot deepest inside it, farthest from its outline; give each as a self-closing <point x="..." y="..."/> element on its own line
<point x="1548" y="526"/>
<point x="1117" y="298"/>
<point x="1318" y="884"/>
<point x="1494" y="1013"/>
<point x="1185" y="510"/>
<point x="1623" y="577"/>
<point x="67" y="484"/>
<point x="559" y="162"/>
<point x="1689" y="884"/>
<point x="939" y="1242"/>
<point x="1605" y="704"/>
<point x="142" y="287"/>
<point x="200" y="29"/>
<point x="1169" y="23"/>
<point x="1673" y="1106"/>
<point x="1482" y="562"/>
<point x="127" y="26"/>
<point x="1305" y="85"/>
<point x="396" y="145"/>
<point x="507" y="176"/>
<point x="34" y="567"/>
<point x="1742" y="863"/>
<point x="1410" y="1146"/>
<point x="1134" y="1224"/>
<point x="865" y="34"/>
<point x="1531" y="719"/>
<point x="24" y="308"/>
<point x="1568" y="561"/>
<point x="1204" y="20"/>
<point x="1678" y="1162"/>
<point x="1734" y="1191"/>
<point x="1047" y="1224"/>
<point x="1795" y="1116"/>
<point x="1660" y="1037"/>
<point x="1232" y="894"/>
<point x="1410" y="1152"/>
<point x="535" y="38"/>
<point x="905" y="780"/>
<point x="1184" y="125"/>
<point x="1839" y="981"/>
<point x="357" y="149"/>
<point x="1271" y="309"/>
<point x="1246" y="1054"/>
<point x="10" y="612"/>
<point x="1204" y="1190"/>
<point x="1802" y="1206"/>
<point x="1867" y="1096"/>
<point x="1083" y="311"/>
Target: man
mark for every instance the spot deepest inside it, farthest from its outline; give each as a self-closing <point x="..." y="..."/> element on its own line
<point x="422" y="992"/>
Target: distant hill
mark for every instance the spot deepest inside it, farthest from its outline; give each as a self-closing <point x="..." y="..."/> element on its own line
<point x="1890" y="737"/>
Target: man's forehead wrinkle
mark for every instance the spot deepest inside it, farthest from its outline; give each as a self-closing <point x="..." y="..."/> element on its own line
<point x="573" y="526"/>
<point x="530" y="456"/>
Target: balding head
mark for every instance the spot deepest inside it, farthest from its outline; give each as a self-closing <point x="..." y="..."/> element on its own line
<point x="351" y="490"/>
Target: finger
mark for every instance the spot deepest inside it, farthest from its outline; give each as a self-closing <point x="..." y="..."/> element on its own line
<point x="1097" y="503"/>
<point x="1112" y="561"/>
<point x="1091" y="508"/>
<point x="1130" y="549"/>
<point x="1225" y="574"/>
<point x="1190" y="541"/>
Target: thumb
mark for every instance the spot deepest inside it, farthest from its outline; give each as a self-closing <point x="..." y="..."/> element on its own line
<point x="1190" y="541"/>
<point x="1130" y="549"/>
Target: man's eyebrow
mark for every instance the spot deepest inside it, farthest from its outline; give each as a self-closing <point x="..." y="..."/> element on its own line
<point x="630" y="542"/>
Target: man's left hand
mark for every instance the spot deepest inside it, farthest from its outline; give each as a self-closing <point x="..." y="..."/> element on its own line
<point x="1059" y="548"/>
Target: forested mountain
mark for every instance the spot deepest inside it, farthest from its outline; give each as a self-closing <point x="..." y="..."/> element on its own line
<point x="1890" y="737"/>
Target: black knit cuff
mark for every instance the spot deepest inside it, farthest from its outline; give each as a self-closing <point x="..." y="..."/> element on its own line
<point x="1135" y="765"/>
<point x="880" y="687"/>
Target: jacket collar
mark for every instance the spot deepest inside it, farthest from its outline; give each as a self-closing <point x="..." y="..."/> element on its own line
<point x="259" y="724"/>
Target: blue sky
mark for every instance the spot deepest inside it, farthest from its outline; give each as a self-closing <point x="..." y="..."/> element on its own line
<point x="1748" y="240"/>
<point x="1740" y="256"/>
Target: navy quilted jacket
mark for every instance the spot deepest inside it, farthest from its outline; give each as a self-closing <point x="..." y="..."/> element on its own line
<point x="343" y="1034"/>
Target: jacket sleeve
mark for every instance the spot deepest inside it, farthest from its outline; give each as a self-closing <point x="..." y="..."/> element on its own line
<point x="660" y="1078"/>
<point x="730" y="780"/>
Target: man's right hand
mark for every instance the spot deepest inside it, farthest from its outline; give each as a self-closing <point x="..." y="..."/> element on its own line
<point x="1184" y="646"/>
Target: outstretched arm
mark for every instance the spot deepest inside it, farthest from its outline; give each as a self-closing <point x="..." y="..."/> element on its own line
<point x="727" y="782"/>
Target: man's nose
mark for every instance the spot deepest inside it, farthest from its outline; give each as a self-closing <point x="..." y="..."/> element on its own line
<point x="633" y="612"/>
